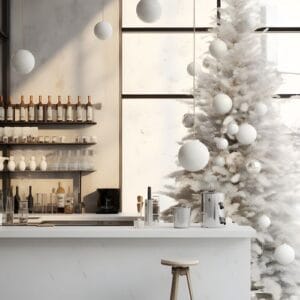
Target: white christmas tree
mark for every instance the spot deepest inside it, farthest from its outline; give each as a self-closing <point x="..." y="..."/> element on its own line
<point x="251" y="156"/>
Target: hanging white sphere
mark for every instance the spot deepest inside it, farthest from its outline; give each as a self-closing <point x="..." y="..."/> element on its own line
<point x="103" y="30"/>
<point x="232" y="128"/>
<point x="194" y="70"/>
<point x="193" y="156"/>
<point x="260" y="109"/>
<point x="188" y="120"/>
<point x="148" y="11"/>
<point x="247" y="134"/>
<point x="23" y="61"/>
<point x="219" y="161"/>
<point x="253" y="166"/>
<point x="222" y="104"/>
<point x="218" y="48"/>
<point x="221" y="143"/>
<point x="284" y="254"/>
<point x="264" y="222"/>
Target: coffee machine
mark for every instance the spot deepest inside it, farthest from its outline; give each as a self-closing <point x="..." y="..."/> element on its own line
<point x="212" y="209"/>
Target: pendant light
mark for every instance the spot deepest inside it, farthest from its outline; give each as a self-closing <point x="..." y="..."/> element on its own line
<point x="23" y="60"/>
<point x="103" y="29"/>
<point x="193" y="155"/>
<point x="148" y="11"/>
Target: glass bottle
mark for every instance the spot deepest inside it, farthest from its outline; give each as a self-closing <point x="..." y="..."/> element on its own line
<point x="49" y="110"/>
<point x="79" y="110"/>
<point x="23" y="110"/>
<point x="69" y="110"/>
<point x="17" y="200"/>
<point x="16" y="112"/>
<point x="30" y="200"/>
<point x="9" y="110"/>
<point x="89" y="110"/>
<point x="59" y="108"/>
<point x="31" y="110"/>
<point x="40" y="110"/>
<point x="69" y="202"/>
<point x="53" y="202"/>
<point x="60" y="198"/>
<point x="9" y="209"/>
<point x="2" y="109"/>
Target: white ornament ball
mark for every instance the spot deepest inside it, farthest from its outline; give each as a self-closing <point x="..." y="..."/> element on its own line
<point x="221" y="143"/>
<point x="264" y="222"/>
<point x="232" y="128"/>
<point x="188" y="120"/>
<point x="219" y="161"/>
<point x="194" y="70"/>
<point x="23" y="61"/>
<point x="148" y="11"/>
<point x="253" y="166"/>
<point x="260" y="109"/>
<point x="284" y="254"/>
<point x="244" y="107"/>
<point x="218" y="48"/>
<point x="193" y="156"/>
<point x="222" y="104"/>
<point x="103" y="30"/>
<point x="247" y="134"/>
<point x="247" y="25"/>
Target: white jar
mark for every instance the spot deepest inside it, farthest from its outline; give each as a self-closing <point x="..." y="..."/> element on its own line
<point x="22" y="164"/>
<point x="32" y="164"/>
<point x="43" y="164"/>
<point x="11" y="164"/>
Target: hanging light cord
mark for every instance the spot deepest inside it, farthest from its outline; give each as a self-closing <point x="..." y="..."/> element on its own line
<point x="194" y="63"/>
<point x="22" y="24"/>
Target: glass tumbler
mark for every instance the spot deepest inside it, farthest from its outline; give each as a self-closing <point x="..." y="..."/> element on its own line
<point x="23" y="212"/>
<point x="9" y="210"/>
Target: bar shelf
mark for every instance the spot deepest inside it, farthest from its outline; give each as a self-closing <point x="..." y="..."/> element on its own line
<point x="45" y="144"/>
<point x="45" y="124"/>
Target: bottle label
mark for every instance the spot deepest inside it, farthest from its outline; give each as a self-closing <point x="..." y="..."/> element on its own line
<point x="41" y="113"/>
<point x="9" y="116"/>
<point x="22" y="114"/>
<point x="69" y="113"/>
<point x="79" y="113"/>
<point x="59" y="113"/>
<point x="1" y="113"/>
<point x="60" y="200"/>
<point x="89" y="113"/>
<point x="31" y="113"/>
<point x="49" y="113"/>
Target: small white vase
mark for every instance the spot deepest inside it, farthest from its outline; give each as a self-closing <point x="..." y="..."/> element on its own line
<point x="32" y="164"/>
<point x="43" y="164"/>
<point x="11" y="164"/>
<point x="22" y="164"/>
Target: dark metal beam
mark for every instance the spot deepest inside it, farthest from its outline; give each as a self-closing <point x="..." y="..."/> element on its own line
<point x="6" y="49"/>
<point x="165" y="29"/>
<point x="157" y="96"/>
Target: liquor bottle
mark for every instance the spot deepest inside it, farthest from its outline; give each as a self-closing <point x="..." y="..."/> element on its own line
<point x="59" y="108"/>
<point x="49" y="114"/>
<point x="23" y="110"/>
<point x="69" y="110"/>
<point x="40" y="110"/>
<point x="60" y="198"/>
<point x="30" y="200"/>
<point x="31" y="110"/>
<point x="17" y="200"/>
<point x="9" y="110"/>
<point x="89" y="110"/>
<point x="2" y="109"/>
<point x="79" y="110"/>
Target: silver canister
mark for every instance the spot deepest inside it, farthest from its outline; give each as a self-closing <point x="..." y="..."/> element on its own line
<point x="182" y="217"/>
<point x="213" y="211"/>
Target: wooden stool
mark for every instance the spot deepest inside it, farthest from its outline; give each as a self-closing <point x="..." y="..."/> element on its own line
<point x="180" y="267"/>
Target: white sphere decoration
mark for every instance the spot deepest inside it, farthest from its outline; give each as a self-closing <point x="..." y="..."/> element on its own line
<point x="232" y="128"/>
<point x="247" y="25"/>
<point x="193" y="69"/>
<point x="284" y="254"/>
<point x="103" y="30"/>
<point x="219" y="161"/>
<point x="218" y="48"/>
<point x="253" y="166"/>
<point x="222" y="104"/>
<point x="244" y="107"/>
<point x="263" y="222"/>
<point x="193" y="156"/>
<point x="23" y="61"/>
<point x="260" y="109"/>
<point x="148" y="11"/>
<point x="221" y="143"/>
<point x="188" y="120"/>
<point x="247" y="134"/>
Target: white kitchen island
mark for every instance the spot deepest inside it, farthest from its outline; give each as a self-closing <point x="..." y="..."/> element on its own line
<point x="114" y="263"/>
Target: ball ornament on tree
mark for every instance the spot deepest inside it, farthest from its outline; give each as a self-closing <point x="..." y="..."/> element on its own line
<point x="247" y="134"/>
<point x="219" y="161"/>
<point x="218" y="48"/>
<point x="264" y="222"/>
<point x="232" y="128"/>
<point x="188" y="120"/>
<point x="284" y="254"/>
<point x="221" y="143"/>
<point x="148" y="11"/>
<point x="249" y="24"/>
<point x="23" y="61"/>
<point x="260" y="109"/>
<point x="193" y="156"/>
<point x="253" y="166"/>
<point x="222" y="104"/>
<point x="244" y="107"/>
<point x="103" y="30"/>
<point x="194" y="69"/>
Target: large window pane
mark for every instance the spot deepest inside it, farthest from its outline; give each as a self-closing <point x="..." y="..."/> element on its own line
<point x="283" y="49"/>
<point x="156" y="63"/>
<point x="175" y="13"/>
<point x="282" y="13"/>
<point x="152" y="129"/>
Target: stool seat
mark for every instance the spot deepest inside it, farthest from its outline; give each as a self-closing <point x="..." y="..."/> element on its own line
<point x="179" y="263"/>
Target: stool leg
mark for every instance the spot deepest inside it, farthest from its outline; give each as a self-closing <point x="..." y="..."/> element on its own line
<point x="189" y="282"/>
<point x="174" y="290"/>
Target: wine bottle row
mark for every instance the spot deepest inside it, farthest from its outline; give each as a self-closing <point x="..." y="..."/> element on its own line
<point x="46" y="112"/>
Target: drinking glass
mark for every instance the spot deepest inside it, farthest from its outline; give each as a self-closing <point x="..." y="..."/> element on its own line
<point x="1" y="209"/>
<point x="23" y="212"/>
<point x="9" y="210"/>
